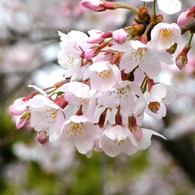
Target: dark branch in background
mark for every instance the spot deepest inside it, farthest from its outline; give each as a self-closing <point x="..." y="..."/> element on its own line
<point x="34" y="36"/>
<point x="22" y="82"/>
<point x="181" y="148"/>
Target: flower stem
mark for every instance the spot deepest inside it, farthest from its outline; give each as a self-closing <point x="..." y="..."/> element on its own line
<point x="154" y="7"/>
<point x="134" y="9"/>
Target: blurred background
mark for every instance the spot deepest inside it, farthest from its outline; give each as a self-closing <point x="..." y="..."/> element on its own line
<point x="29" y="43"/>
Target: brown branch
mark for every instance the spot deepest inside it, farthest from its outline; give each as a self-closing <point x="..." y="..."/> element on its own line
<point x="190" y="26"/>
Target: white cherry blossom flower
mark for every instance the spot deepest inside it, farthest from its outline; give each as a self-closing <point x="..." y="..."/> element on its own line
<point x="143" y="55"/>
<point x="79" y="132"/>
<point x="46" y="116"/>
<point x="155" y="107"/>
<point x="103" y="75"/>
<point x="72" y="46"/>
<point x="164" y="35"/>
<point x="79" y="94"/>
<point x="116" y="139"/>
<point x="123" y="95"/>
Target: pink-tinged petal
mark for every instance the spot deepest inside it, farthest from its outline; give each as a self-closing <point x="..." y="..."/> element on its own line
<point x="126" y="62"/>
<point x="109" y="147"/>
<point x="22" y="122"/>
<point x="145" y="142"/>
<point x="128" y="148"/>
<point x="92" y="130"/>
<point x="95" y="5"/>
<point x="122" y="47"/>
<point x="104" y="75"/>
<point x="66" y="143"/>
<point x="58" y="127"/>
<point x="116" y="132"/>
<point x="83" y="142"/>
<point x="150" y="67"/>
<point x="18" y="107"/>
<point x="42" y="138"/>
<point x="119" y="36"/>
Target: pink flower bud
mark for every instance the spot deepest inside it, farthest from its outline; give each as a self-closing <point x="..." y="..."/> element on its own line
<point x="42" y="138"/>
<point x="181" y="59"/>
<point x="186" y="17"/>
<point x="119" y="36"/>
<point x="18" y="107"/>
<point x="94" y="5"/>
<point x="137" y="132"/>
<point x="95" y="36"/>
<point x="89" y="54"/>
<point x="98" y="5"/>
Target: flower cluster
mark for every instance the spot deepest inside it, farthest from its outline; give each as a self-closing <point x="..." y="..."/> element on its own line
<point x="108" y="87"/>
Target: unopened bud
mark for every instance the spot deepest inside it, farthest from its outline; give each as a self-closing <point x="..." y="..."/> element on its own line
<point x="186" y="17"/>
<point x="119" y="36"/>
<point x="98" y="5"/>
<point x="61" y="102"/>
<point x="94" y="5"/>
<point x="42" y="138"/>
<point x="182" y="59"/>
<point x="137" y="132"/>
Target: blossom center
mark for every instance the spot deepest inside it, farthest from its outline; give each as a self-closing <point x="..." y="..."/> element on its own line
<point x="120" y="93"/>
<point x="75" y="129"/>
<point x="137" y="55"/>
<point x="166" y="35"/>
<point x="154" y="106"/>
<point x="51" y="115"/>
<point x="104" y="74"/>
<point x="119" y="142"/>
<point x="70" y="60"/>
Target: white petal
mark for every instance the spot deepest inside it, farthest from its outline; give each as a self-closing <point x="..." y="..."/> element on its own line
<point x="169" y="6"/>
<point x="145" y="141"/>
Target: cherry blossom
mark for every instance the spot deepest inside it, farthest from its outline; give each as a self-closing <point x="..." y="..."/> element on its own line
<point x="46" y="116"/>
<point x="143" y="55"/>
<point x="103" y="75"/>
<point x="116" y="139"/>
<point x="72" y="46"/>
<point x="164" y="35"/>
<point x="109" y="82"/>
<point x="156" y="98"/>
<point x="122" y="94"/>
<point x="79" y="132"/>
